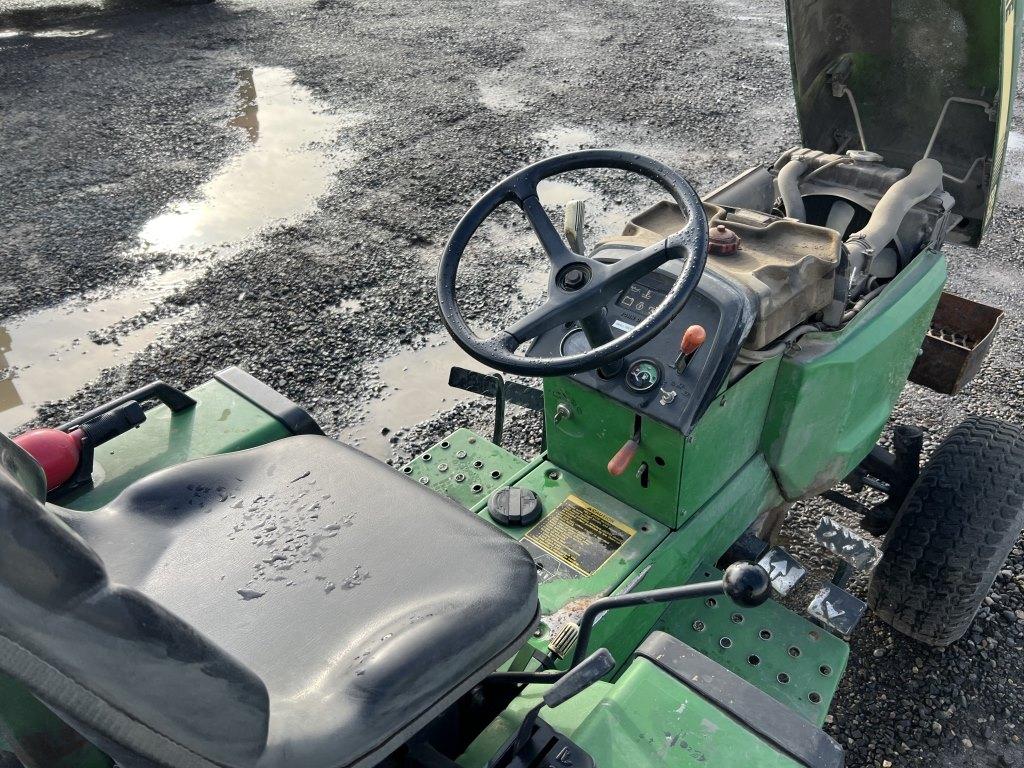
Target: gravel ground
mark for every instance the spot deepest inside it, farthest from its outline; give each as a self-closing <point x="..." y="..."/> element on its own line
<point x="122" y="113"/>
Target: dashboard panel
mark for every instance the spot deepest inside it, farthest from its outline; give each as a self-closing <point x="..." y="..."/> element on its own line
<point x="649" y="381"/>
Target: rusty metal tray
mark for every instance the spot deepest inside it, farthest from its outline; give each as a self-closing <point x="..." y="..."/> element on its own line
<point x="956" y="344"/>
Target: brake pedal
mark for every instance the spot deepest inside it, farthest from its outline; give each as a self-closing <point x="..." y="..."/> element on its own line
<point x="853" y="548"/>
<point x="784" y="570"/>
<point x="837" y="609"/>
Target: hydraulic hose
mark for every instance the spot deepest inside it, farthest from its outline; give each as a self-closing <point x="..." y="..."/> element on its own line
<point x="789" y="189"/>
<point x="754" y="356"/>
<point x="924" y="178"/>
<point x="922" y="181"/>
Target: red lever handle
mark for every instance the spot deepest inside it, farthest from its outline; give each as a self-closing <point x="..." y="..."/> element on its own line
<point x="693" y="337"/>
<point x="621" y="460"/>
<point x="58" y="453"/>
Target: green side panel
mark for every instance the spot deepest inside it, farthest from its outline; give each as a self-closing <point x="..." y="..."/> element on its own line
<point x="683" y="473"/>
<point x="220" y="422"/>
<point x="725" y="438"/>
<point x="647" y="718"/>
<point x="465" y="467"/>
<point x="783" y="654"/>
<point x="553" y="486"/>
<point x="38" y="737"/>
<point x="833" y="397"/>
<point x="594" y="433"/>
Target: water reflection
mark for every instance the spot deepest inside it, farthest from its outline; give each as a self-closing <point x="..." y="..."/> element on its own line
<point x="287" y="166"/>
<point x="292" y="153"/>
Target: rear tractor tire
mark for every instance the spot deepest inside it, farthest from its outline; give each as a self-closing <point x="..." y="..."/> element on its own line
<point x="953" y="533"/>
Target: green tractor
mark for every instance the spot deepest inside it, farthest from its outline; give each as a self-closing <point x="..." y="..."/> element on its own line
<point x="213" y="582"/>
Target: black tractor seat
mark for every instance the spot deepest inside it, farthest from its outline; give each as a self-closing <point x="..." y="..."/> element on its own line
<point x="296" y="604"/>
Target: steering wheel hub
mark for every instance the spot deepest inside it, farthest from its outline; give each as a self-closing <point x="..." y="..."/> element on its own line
<point x="573" y="277"/>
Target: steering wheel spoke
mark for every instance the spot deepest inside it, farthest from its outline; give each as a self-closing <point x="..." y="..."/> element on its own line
<point x="627" y="271"/>
<point x="556" y="249"/>
<point x="554" y="312"/>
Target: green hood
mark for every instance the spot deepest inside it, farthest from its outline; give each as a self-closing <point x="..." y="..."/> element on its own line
<point x="902" y="61"/>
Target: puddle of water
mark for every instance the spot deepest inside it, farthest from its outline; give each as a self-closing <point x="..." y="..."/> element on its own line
<point x="47" y="355"/>
<point x="277" y="179"/>
<point x="499" y="94"/>
<point x="9" y="33"/>
<point x="415" y="388"/>
<point x="565" y="138"/>
<point x="287" y="167"/>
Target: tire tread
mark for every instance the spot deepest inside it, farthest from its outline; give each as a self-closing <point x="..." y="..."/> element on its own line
<point x="953" y="534"/>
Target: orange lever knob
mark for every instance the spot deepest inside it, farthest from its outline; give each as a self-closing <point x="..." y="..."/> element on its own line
<point x="693" y="337"/>
<point x="621" y="460"/>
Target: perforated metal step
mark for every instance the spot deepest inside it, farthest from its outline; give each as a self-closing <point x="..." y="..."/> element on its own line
<point x="783" y="654"/>
<point x="464" y="467"/>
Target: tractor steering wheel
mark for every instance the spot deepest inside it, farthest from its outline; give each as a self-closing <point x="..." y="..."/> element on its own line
<point x="579" y="287"/>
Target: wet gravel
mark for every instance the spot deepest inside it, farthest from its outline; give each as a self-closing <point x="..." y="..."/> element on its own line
<point x="103" y="131"/>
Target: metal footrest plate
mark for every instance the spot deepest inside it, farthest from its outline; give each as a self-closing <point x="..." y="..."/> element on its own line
<point x="779" y="651"/>
<point x="783" y="569"/>
<point x="854" y="549"/>
<point x="837" y="608"/>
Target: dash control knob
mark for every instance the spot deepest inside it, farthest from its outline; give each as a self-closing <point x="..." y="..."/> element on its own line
<point x="513" y="506"/>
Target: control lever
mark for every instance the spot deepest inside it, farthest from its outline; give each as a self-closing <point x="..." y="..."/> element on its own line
<point x="623" y="457"/>
<point x="691" y="341"/>
<point x="573" y="226"/>
<point x="745" y="583"/>
<point x="590" y="670"/>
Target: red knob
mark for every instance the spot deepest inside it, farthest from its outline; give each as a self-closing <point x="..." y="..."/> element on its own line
<point x="58" y="453"/>
<point x="693" y="337"/>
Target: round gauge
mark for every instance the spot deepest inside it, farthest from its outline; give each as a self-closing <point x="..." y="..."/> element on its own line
<point x="643" y="376"/>
<point x="575" y="343"/>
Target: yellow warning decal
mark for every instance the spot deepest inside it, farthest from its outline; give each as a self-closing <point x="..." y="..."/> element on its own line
<point x="578" y="535"/>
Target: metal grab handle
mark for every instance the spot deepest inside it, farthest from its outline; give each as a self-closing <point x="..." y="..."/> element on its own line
<point x="170" y="396"/>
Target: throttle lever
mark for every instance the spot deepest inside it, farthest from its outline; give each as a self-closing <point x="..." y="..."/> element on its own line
<point x="747" y="584"/>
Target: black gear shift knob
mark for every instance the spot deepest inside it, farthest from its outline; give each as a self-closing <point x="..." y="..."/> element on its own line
<point x="747" y="584"/>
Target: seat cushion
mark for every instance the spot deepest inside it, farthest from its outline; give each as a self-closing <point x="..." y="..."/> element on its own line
<point x="361" y="600"/>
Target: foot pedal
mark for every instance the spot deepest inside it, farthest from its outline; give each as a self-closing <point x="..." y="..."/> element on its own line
<point x="837" y="609"/>
<point x="783" y="569"/>
<point x="854" y="549"/>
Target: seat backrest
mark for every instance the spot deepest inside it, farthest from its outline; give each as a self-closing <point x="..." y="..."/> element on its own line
<point x="116" y="665"/>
